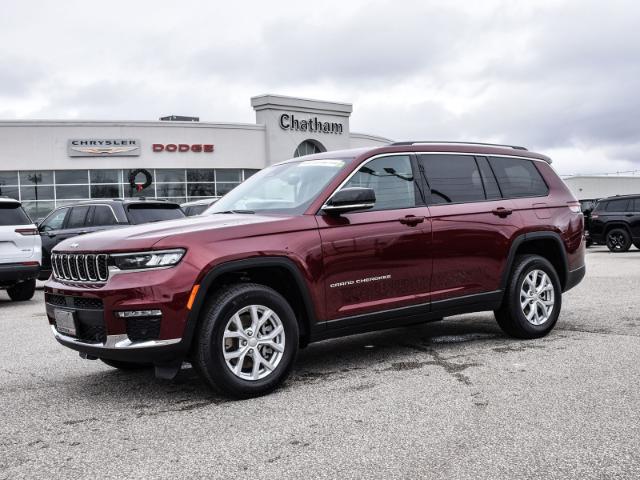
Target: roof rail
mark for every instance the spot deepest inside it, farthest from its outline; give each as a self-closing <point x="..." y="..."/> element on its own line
<point x="515" y="147"/>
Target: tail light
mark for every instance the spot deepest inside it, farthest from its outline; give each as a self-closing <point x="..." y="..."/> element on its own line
<point x="574" y="207"/>
<point x="27" y="231"/>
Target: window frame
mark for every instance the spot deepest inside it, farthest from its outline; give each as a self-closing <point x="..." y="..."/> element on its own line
<point x="417" y="180"/>
<point x="427" y="187"/>
<point x="533" y="162"/>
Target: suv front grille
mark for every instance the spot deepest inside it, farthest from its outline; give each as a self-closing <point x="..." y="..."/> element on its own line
<point x="80" y="267"/>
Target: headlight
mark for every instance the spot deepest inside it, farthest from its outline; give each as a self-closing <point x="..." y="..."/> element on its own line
<point x="142" y="260"/>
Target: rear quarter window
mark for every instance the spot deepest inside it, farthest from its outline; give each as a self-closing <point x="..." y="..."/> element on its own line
<point x="13" y="214"/>
<point x="617" y="205"/>
<point x="147" y="213"/>
<point x="518" y="177"/>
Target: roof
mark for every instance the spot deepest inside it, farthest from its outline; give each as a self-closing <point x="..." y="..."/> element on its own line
<point x="432" y="147"/>
<point x="124" y="201"/>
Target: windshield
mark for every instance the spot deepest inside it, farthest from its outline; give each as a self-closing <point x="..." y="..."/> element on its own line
<point x="286" y="188"/>
<point x="141" y="213"/>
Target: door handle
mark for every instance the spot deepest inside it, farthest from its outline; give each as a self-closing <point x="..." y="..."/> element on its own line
<point x="411" y="220"/>
<point x="502" y="212"/>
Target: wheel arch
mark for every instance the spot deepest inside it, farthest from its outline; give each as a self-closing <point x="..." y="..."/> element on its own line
<point x="610" y="226"/>
<point x="546" y="244"/>
<point x="279" y="273"/>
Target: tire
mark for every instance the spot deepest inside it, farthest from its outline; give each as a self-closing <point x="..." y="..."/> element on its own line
<point x="120" y="365"/>
<point x="512" y="317"/>
<point x="22" y="291"/>
<point x="219" y="333"/>
<point x="618" y="240"/>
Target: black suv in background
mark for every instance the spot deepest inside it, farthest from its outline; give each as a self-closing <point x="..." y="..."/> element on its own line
<point x="94" y="215"/>
<point x="615" y="221"/>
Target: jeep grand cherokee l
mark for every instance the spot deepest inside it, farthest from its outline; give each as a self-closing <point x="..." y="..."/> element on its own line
<point x="323" y="246"/>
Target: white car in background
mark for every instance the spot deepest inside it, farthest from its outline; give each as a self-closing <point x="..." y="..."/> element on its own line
<point x="20" y="251"/>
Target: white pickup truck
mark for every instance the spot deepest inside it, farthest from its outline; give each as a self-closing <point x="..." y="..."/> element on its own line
<point x="20" y="251"/>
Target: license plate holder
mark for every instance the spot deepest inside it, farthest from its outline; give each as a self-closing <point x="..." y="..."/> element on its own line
<point x="65" y="321"/>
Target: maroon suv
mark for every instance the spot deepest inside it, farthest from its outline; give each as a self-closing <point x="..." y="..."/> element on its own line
<point x="323" y="246"/>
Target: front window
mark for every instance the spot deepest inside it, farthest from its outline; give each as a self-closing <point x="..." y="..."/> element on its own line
<point x="285" y="188"/>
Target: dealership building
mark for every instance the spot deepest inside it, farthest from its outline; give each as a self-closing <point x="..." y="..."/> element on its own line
<point x="46" y="163"/>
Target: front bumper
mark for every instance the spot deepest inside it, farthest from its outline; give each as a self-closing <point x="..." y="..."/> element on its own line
<point x="121" y="347"/>
<point x="102" y="333"/>
<point x="11" y="273"/>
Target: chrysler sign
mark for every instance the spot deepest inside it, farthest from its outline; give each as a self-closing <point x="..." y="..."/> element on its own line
<point x="103" y="147"/>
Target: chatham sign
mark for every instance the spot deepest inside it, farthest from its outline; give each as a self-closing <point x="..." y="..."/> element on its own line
<point x="100" y="147"/>
<point x="290" y="122"/>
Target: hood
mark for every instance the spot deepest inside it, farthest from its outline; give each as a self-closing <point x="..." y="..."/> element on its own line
<point x="147" y="235"/>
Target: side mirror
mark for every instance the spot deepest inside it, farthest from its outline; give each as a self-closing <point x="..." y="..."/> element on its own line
<point x="350" y="199"/>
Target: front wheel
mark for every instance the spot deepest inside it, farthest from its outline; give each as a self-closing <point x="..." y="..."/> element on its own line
<point x="22" y="291"/>
<point x="618" y="240"/>
<point x="533" y="298"/>
<point x="247" y="340"/>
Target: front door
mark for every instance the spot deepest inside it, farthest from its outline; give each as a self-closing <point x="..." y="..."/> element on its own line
<point x="378" y="259"/>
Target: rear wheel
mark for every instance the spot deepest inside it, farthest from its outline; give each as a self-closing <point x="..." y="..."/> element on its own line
<point x="532" y="302"/>
<point x="22" y="291"/>
<point x="247" y="340"/>
<point x="618" y="240"/>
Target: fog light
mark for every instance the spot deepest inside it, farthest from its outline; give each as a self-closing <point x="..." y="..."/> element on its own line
<point x="138" y="313"/>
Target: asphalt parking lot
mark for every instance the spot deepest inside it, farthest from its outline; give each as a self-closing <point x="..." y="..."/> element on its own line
<point x="455" y="399"/>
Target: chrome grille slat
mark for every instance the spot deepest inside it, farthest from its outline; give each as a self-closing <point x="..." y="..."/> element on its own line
<point x="80" y="267"/>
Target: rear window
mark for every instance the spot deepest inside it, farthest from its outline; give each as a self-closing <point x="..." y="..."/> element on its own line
<point x="147" y="213"/>
<point x="518" y="177"/>
<point x="13" y="214"/>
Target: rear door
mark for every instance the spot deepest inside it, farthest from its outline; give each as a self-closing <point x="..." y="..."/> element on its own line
<point x="378" y="259"/>
<point x="17" y="239"/>
<point x="472" y="226"/>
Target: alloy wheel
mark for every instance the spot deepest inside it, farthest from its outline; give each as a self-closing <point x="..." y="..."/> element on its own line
<point x="253" y="342"/>
<point x="537" y="297"/>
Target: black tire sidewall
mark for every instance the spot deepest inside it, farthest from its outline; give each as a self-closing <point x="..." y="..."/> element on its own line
<point x="522" y="327"/>
<point x="22" y="291"/>
<point x="626" y="235"/>
<point x="211" y="356"/>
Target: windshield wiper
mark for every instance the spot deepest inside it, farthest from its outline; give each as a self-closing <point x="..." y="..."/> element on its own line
<point x="237" y="211"/>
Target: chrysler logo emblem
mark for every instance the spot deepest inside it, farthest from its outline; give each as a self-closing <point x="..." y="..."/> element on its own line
<point x="103" y="150"/>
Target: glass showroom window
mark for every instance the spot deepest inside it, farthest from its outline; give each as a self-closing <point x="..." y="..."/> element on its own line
<point x="43" y="190"/>
<point x="309" y="147"/>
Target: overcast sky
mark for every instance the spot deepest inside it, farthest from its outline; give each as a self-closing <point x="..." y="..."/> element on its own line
<point x="560" y="77"/>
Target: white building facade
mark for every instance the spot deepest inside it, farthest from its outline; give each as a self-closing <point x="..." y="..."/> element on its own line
<point x="46" y="164"/>
<point x="594" y="187"/>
